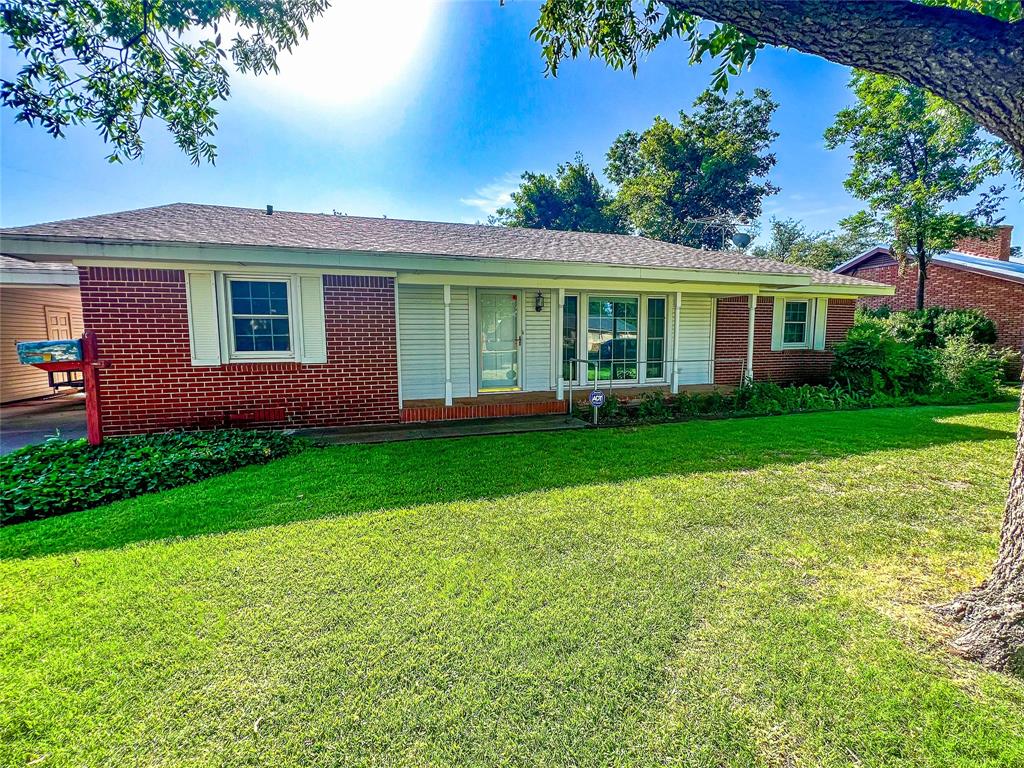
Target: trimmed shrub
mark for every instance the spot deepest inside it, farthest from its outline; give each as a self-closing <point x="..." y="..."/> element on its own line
<point x="61" y="476"/>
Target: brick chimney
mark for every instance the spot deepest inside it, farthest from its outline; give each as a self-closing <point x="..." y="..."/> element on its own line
<point x="996" y="247"/>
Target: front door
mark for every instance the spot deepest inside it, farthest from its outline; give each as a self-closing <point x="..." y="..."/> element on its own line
<point x="500" y="340"/>
<point x="58" y="323"/>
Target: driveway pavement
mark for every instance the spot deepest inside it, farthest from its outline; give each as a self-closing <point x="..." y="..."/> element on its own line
<point x="32" y="421"/>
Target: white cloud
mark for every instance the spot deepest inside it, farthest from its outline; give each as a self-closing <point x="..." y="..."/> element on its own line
<point x="490" y="197"/>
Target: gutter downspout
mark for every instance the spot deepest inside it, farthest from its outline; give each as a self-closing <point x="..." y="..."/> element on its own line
<point x="748" y="374"/>
<point x="675" y="344"/>
<point x="447" y="343"/>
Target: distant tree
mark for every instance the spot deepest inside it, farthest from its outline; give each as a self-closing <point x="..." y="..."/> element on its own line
<point x="790" y="241"/>
<point x="115" y="63"/>
<point x="573" y="199"/>
<point x="712" y="163"/>
<point x="913" y="154"/>
<point x="783" y="235"/>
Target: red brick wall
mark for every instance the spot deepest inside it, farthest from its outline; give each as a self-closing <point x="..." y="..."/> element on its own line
<point x="1001" y="300"/>
<point x="789" y="366"/>
<point x="140" y="317"/>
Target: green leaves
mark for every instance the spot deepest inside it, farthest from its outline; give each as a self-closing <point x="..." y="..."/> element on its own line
<point x="573" y="199"/>
<point x="914" y="153"/>
<point x="62" y="476"/>
<point x="622" y="33"/>
<point x="114" y="64"/>
<point x="712" y="163"/>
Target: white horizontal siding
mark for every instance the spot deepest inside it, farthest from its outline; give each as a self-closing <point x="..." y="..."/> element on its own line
<point x="694" y="342"/>
<point x="461" y="337"/>
<point x="421" y="337"/>
<point x="538" y="342"/>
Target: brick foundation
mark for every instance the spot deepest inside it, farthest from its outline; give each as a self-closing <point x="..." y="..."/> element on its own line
<point x="482" y="411"/>
<point x="141" y="319"/>
<point x="797" y="366"/>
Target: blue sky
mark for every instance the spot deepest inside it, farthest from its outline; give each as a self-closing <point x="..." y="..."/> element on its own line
<point x="430" y="112"/>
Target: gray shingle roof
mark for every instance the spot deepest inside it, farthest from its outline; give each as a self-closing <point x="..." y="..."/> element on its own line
<point x="187" y="223"/>
<point x="9" y="263"/>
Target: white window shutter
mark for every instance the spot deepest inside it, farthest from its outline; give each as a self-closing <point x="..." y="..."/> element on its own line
<point x="820" y="321"/>
<point x="203" y="333"/>
<point x="313" y="327"/>
<point x="778" y="320"/>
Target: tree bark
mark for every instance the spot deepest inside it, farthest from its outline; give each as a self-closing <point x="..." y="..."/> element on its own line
<point x="922" y="276"/>
<point x="972" y="60"/>
<point x="992" y="615"/>
<point x="977" y="63"/>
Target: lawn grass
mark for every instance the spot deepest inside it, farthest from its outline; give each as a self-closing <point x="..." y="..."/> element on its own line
<point x="728" y="593"/>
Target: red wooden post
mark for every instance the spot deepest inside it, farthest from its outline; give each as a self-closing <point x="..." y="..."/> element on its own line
<point x="91" y="379"/>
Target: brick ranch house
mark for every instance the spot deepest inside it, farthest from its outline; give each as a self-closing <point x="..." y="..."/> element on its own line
<point x="977" y="274"/>
<point x="209" y="316"/>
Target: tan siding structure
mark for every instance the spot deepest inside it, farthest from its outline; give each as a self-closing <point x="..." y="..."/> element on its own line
<point x="23" y="312"/>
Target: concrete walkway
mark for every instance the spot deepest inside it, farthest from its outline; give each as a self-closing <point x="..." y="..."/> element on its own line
<point x="437" y="429"/>
<point x="32" y="421"/>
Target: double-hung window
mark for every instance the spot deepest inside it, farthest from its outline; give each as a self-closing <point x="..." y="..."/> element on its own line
<point x="570" y="322"/>
<point x="260" y="323"/>
<point x="795" y="322"/>
<point x="655" y="338"/>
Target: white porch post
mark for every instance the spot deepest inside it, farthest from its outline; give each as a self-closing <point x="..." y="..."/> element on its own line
<point x="447" y="344"/>
<point x="559" y="335"/>
<point x="675" y="344"/>
<point x="748" y="374"/>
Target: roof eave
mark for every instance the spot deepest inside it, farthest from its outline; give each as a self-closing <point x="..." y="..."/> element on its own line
<point x="49" y="248"/>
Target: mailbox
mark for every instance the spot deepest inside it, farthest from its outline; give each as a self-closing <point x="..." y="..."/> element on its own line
<point x="54" y="351"/>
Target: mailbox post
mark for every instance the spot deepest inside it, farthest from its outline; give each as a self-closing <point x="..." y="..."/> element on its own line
<point x="90" y="376"/>
<point x="72" y="355"/>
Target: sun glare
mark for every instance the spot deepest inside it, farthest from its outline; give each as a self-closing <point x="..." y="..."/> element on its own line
<point x="357" y="53"/>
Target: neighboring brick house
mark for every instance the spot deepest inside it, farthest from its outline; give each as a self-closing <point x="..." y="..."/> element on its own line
<point x="977" y="274"/>
<point x="208" y="316"/>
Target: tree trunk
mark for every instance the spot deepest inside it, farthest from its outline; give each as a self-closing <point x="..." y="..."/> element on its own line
<point x="972" y="60"/>
<point x="992" y="615"/>
<point x="977" y="63"/>
<point x="922" y="276"/>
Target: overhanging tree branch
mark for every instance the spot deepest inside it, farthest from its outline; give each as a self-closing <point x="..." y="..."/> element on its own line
<point x="972" y="60"/>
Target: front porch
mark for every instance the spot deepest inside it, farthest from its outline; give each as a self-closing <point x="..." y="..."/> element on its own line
<point x="506" y="404"/>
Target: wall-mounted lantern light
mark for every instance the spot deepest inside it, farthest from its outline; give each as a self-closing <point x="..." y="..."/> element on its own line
<point x="538" y="303"/>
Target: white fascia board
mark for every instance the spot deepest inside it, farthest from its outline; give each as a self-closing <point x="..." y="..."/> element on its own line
<point x="153" y="254"/>
<point x="836" y="291"/>
<point x="44" y="278"/>
<point x="579" y="283"/>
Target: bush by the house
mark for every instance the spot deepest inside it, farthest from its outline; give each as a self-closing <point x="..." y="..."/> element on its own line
<point x="932" y="352"/>
<point x="966" y="368"/>
<point x="933" y="326"/>
<point x="61" y="476"/>
<point x="757" y="399"/>
<point x="871" y="360"/>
